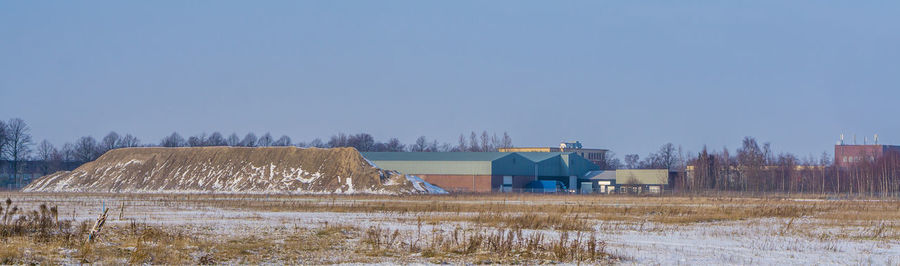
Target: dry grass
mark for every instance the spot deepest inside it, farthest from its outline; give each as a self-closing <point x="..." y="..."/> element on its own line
<point x="537" y="221"/>
<point x="512" y="229"/>
<point x="483" y="246"/>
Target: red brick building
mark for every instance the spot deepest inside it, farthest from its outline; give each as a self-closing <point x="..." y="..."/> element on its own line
<point x="846" y="155"/>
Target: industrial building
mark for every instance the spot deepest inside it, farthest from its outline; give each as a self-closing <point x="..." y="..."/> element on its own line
<point x="626" y="181"/>
<point x="849" y="154"/>
<point x="486" y="171"/>
<point x="596" y="156"/>
<point x="846" y="155"/>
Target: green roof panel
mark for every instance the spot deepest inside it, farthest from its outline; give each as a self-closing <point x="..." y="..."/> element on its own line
<point x="434" y="156"/>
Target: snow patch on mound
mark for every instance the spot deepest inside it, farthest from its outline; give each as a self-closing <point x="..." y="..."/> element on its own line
<point x="264" y="170"/>
<point x="423" y="186"/>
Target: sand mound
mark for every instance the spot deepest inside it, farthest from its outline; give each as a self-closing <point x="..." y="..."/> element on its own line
<point x="230" y="170"/>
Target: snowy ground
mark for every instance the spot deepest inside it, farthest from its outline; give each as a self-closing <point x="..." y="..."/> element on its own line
<point x="769" y="241"/>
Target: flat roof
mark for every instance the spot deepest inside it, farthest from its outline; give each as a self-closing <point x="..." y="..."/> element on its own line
<point x="435" y="156"/>
<point x="601" y="174"/>
<point x="868" y="145"/>
<point x="568" y="149"/>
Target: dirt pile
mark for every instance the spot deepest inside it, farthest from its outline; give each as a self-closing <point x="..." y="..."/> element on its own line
<point x="230" y="170"/>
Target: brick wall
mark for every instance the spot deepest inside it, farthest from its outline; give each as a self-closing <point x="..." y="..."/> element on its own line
<point x="845" y="155"/>
<point x="482" y="183"/>
<point x="464" y="183"/>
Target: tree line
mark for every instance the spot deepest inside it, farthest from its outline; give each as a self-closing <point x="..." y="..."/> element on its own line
<point x="757" y="168"/>
<point x="753" y="167"/>
<point x="17" y="147"/>
<point x="363" y="142"/>
<point x="667" y="157"/>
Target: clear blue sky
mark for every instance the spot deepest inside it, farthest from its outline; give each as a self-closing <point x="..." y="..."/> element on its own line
<point x="624" y="75"/>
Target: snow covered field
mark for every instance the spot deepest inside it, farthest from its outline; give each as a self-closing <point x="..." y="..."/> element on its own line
<point x="635" y="230"/>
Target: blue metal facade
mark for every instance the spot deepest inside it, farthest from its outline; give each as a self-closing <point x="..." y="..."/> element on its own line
<point x="545" y="164"/>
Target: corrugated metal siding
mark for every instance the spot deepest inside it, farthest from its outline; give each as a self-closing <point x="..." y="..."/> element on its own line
<point x="477" y="183"/>
<point x="642" y="176"/>
<point x="512" y="165"/>
<point x="552" y="166"/>
<point x="578" y="166"/>
<point x="549" y="164"/>
<point x="437" y="167"/>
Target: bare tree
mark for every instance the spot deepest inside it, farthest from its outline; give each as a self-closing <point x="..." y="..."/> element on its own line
<point x="317" y="143"/>
<point x="86" y="149"/>
<point x="19" y="144"/>
<point x="751" y="159"/>
<point x="249" y="140"/>
<point x="610" y="162"/>
<point x="506" y="142"/>
<point x="174" y="140"/>
<point x="68" y="152"/>
<point x="473" y="142"/>
<point x="109" y="142"/>
<point x="233" y="140"/>
<point x="4" y="139"/>
<point x="394" y="145"/>
<point x="284" y="140"/>
<point x="495" y="142"/>
<point x="45" y="150"/>
<point x="46" y="153"/>
<point x="445" y="147"/>
<point x="216" y="139"/>
<point x="129" y="141"/>
<point x="420" y="145"/>
<point x="667" y="156"/>
<point x="485" y="141"/>
<point x="362" y="142"/>
<point x="197" y="141"/>
<point x="266" y="140"/>
<point x="339" y="140"/>
<point x="433" y="146"/>
<point x="632" y="160"/>
<point x="55" y="161"/>
<point x="461" y="145"/>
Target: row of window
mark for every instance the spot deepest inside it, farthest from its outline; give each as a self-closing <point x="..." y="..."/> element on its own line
<point x="856" y="159"/>
<point x="592" y="155"/>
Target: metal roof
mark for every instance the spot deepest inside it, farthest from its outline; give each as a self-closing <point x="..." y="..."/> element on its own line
<point x="642" y="176"/>
<point x="631" y="176"/>
<point x="601" y="175"/>
<point x="515" y="149"/>
<point x="435" y="156"/>
<point x="541" y="156"/>
<point x="483" y="163"/>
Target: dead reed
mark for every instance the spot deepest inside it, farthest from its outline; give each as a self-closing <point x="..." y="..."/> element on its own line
<point x="494" y="246"/>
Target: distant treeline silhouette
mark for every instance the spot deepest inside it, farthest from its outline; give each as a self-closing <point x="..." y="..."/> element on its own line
<point x="751" y="168"/>
<point x="17" y="147"/>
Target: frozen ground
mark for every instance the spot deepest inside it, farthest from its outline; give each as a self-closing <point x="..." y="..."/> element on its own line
<point x="769" y="241"/>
